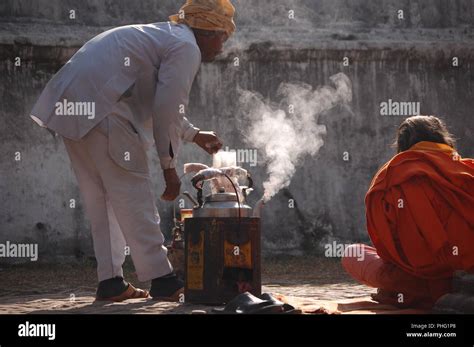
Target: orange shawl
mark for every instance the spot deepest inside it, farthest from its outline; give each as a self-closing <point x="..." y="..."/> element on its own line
<point x="420" y="211"/>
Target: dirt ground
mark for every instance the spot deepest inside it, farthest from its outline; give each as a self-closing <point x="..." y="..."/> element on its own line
<point x="39" y="288"/>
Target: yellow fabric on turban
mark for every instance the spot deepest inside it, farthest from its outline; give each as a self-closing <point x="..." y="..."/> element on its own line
<point x="214" y="15"/>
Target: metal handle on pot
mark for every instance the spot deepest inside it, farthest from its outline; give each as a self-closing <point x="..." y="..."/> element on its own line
<point x="195" y="181"/>
<point x="249" y="186"/>
<point x="201" y="178"/>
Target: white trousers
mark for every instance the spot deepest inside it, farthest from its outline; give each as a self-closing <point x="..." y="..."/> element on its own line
<point x="111" y="167"/>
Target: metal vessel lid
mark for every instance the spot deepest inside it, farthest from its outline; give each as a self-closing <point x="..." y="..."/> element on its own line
<point x="221" y="197"/>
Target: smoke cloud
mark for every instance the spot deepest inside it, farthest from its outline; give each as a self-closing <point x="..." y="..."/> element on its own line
<point x="287" y="132"/>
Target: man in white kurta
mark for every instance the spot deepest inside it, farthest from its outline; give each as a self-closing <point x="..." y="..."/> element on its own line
<point x="122" y="92"/>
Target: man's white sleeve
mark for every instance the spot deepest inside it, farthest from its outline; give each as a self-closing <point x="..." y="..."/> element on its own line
<point x="175" y="77"/>
<point x="189" y="131"/>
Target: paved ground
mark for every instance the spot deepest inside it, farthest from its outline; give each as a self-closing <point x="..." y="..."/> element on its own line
<point x="35" y="288"/>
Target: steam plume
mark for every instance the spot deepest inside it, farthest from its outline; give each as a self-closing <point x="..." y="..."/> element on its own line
<point x="285" y="136"/>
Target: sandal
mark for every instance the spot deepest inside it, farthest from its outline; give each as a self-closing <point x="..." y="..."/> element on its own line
<point x="175" y="297"/>
<point x="246" y="303"/>
<point x="167" y="288"/>
<point x="130" y="293"/>
<point x="286" y="308"/>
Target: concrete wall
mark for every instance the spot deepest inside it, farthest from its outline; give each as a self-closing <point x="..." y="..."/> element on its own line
<point x="405" y="60"/>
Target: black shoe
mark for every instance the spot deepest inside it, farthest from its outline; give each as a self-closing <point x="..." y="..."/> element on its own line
<point x="167" y="288"/>
<point x="287" y="308"/>
<point x="246" y="303"/>
<point x="110" y="288"/>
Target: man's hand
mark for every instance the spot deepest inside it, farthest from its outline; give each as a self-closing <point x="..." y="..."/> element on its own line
<point x="173" y="185"/>
<point x="209" y="141"/>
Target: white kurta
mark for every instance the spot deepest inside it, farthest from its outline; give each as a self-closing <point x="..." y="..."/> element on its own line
<point x="153" y="66"/>
<point x="139" y="78"/>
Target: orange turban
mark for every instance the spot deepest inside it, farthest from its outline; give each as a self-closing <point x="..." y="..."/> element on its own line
<point x="214" y="15"/>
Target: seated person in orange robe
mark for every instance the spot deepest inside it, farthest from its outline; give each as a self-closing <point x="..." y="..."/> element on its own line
<point x="420" y="218"/>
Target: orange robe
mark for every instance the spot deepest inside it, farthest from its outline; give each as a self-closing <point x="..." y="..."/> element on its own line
<point x="420" y="211"/>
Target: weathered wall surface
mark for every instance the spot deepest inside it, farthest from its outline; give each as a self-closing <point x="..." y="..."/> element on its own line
<point x="404" y="60"/>
<point x="314" y="13"/>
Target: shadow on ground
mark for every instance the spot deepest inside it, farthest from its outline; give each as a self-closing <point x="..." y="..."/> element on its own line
<point x="45" y="288"/>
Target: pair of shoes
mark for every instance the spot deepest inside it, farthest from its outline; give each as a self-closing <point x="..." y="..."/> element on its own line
<point x="247" y="303"/>
<point x="117" y="290"/>
<point x="167" y="288"/>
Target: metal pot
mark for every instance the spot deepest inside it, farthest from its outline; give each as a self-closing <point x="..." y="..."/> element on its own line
<point x="222" y="205"/>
